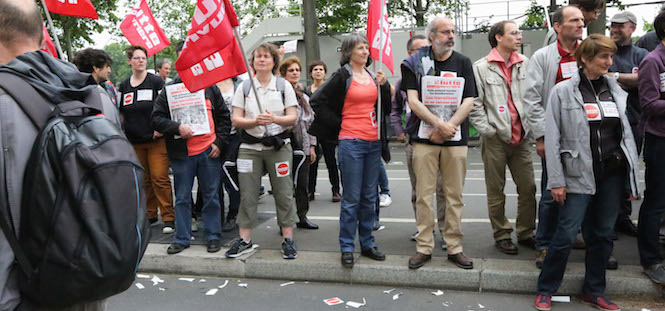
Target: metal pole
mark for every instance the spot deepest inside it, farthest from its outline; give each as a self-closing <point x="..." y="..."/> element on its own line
<point x="55" y="36"/>
<point x="379" y="116"/>
<point x="249" y="72"/>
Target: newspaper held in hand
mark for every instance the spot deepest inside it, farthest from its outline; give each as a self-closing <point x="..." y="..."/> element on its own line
<point x="188" y="108"/>
<point x="442" y="96"/>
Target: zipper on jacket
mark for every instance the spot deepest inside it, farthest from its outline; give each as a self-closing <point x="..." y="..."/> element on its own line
<point x="602" y="117"/>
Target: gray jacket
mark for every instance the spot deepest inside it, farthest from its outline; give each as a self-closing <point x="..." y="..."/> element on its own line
<point x="568" y="141"/>
<point x="17" y="134"/>
<point x="541" y="77"/>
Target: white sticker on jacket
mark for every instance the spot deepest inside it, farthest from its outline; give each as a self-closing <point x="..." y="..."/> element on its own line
<point x="592" y="112"/>
<point x="610" y="109"/>
<point x="128" y="99"/>
<point x="142" y="95"/>
<point x="568" y="69"/>
<point x="662" y="82"/>
<point x="274" y="129"/>
<point x="282" y="169"/>
<point x="635" y="69"/>
<point x="244" y="166"/>
<point x="502" y="109"/>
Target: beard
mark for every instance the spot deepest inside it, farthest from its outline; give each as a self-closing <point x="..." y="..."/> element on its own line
<point x="441" y="47"/>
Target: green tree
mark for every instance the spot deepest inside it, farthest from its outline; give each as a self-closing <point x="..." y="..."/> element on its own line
<point x="120" y="69"/>
<point x="423" y="10"/>
<point x="173" y="16"/>
<point x="535" y="16"/>
<point x="74" y="32"/>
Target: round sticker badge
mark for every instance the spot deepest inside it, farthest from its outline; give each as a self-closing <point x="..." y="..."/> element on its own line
<point x="592" y="111"/>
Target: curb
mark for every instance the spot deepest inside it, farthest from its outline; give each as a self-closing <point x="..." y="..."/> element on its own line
<point x="492" y="275"/>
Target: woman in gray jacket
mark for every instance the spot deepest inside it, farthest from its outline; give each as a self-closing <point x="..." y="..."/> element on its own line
<point x="591" y="160"/>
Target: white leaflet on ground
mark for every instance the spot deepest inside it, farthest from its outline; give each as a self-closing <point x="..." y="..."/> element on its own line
<point x="202" y="281"/>
<point x="287" y="284"/>
<point x="388" y="291"/>
<point x="396" y="296"/>
<point x="268" y="227"/>
<point x="333" y="301"/>
<point x="139" y="286"/>
<point x="156" y="280"/>
<point x="437" y="293"/>
<point x="186" y="279"/>
<point x="356" y="305"/>
<point x="162" y="289"/>
<point x="445" y="304"/>
<point x="211" y="292"/>
<point x="243" y="285"/>
<point x="142" y="276"/>
<point x="561" y="298"/>
<point x="645" y="309"/>
<point x="481" y="306"/>
<point x="224" y="285"/>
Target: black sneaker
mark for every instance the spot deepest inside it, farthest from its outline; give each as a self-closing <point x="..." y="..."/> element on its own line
<point x="289" y="250"/>
<point x="229" y="225"/>
<point x="153" y="221"/>
<point x="176" y="248"/>
<point x="214" y="246"/>
<point x="239" y="248"/>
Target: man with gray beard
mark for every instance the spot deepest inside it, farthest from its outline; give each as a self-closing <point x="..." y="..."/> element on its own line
<point x="444" y="149"/>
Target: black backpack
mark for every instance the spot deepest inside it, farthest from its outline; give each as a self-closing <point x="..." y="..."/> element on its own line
<point x="83" y="227"/>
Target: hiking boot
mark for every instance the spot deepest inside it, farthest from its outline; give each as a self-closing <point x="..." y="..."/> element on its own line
<point x="336" y="197"/>
<point x="600" y="302"/>
<point x="540" y="257"/>
<point x="528" y="242"/>
<point x="543" y="303"/>
<point x="169" y="227"/>
<point x="239" y="248"/>
<point x="214" y="245"/>
<point x="656" y="273"/>
<point x="289" y="250"/>
<point x="229" y="225"/>
<point x="176" y="248"/>
<point x="347" y="259"/>
<point x="418" y="260"/>
<point x="373" y="253"/>
<point x="461" y="261"/>
<point x="506" y="246"/>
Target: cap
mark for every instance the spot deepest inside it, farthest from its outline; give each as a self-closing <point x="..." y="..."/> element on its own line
<point x="624" y="17"/>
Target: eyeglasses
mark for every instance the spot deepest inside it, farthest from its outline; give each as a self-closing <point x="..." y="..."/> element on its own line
<point x="447" y="32"/>
<point x="139" y="58"/>
<point x="517" y="33"/>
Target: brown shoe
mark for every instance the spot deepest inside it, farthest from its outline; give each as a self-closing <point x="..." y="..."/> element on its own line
<point x="418" y="260"/>
<point x="336" y="197"/>
<point x="506" y="246"/>
<point x="540" y="257"/>
<point x="461" y="261"/>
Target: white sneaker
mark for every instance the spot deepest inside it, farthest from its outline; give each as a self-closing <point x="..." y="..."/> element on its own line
<point x="169" y="227"/>
<point x="195" y="225"/>
<point x="385" y="200"/>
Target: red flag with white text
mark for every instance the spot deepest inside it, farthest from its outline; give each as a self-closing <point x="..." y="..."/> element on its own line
<point x="211" y="53"/>
<point x="141" y="28"/>
<point x="47" y="44"/>
<point x="375" y="31"/>
<point x="77" y="8"/>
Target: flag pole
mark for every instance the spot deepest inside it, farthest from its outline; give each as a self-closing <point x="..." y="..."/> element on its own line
<point x="379" y="116"/>
<point x="249" y="72"/>
<point x="55" y="36"/>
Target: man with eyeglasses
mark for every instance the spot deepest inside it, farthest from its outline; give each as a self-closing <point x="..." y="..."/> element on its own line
<point x="444" y="148"/>
<point x="548" y="66"/>
<point x="497" y="114"/>
<point x="591" y="9"/>
<point x="138" y="93"/>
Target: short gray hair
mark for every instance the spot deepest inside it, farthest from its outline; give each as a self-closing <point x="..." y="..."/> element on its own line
<point x="433" y="27"/>
<point x="349" y="44"/>
<point x="163" y="61"/>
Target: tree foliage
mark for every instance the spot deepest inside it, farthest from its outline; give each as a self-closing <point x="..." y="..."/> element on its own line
<point x="421" y="11"/>
<point x="75" y="33"/>
<point x="535" y="16"/>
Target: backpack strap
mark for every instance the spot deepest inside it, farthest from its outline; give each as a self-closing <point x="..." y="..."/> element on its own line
<point x="26" y="97"/>
<point x="280" y="85"/>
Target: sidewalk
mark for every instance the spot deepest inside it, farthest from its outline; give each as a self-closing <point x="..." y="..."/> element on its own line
<point x="493" y="275"/>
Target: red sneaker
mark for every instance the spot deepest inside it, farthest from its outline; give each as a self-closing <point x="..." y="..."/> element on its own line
<point x="543" y="303"/>
<point x="601" y="303"/>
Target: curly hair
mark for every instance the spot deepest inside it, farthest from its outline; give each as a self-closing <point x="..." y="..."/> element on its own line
<point x="88" y="58"/>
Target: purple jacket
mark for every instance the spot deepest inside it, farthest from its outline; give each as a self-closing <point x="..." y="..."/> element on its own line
<point x="651" y="89"/>
<point x="398" y="104"/>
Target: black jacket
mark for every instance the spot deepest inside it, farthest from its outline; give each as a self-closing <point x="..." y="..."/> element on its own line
<point x="328" y="102"/>
<point x="161" y="122"/>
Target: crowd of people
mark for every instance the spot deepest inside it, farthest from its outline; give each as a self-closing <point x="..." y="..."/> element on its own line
<point x="592" y="106"/>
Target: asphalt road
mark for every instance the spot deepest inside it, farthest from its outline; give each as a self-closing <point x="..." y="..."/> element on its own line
<point x="269" y="295"/>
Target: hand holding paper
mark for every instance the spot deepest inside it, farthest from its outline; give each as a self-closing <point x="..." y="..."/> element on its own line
<point x="185" y="131"/>
<point x="446" y="129"/>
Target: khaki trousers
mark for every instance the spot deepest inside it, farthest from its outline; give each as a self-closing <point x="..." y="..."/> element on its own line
<point x="496" y="155"/>
<point x="440" y="196"/>
<point x="428" y="162"/>
<point x="158" y="191"/>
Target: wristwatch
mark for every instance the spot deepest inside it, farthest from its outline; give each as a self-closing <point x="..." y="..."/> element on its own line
<point x="616" y="76"/>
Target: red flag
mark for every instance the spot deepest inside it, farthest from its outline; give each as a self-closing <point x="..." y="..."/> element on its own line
<point x="78" y="8"/>
<point x="47" y="44"/>
<point x="374" y="31"/>
<point x="141" y="28"/>
<point x="211" y="53"/>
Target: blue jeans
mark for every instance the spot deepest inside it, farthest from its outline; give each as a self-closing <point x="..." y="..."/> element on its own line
<point x="548" y="213"/>
<point x="653" y="207"/>
<point x="359" y="166"/>
<point x="207" y="171"/>
<point x="383" y="179"/>
<point x="596" y="215"/>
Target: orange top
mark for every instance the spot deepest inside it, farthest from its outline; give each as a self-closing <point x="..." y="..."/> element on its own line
<point x="199" y="143"/>
<point x="358" y="115"/>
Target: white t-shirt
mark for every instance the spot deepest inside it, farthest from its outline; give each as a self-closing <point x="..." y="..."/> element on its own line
<point x="228" y="100"/>
<point x="271" y="100"/>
